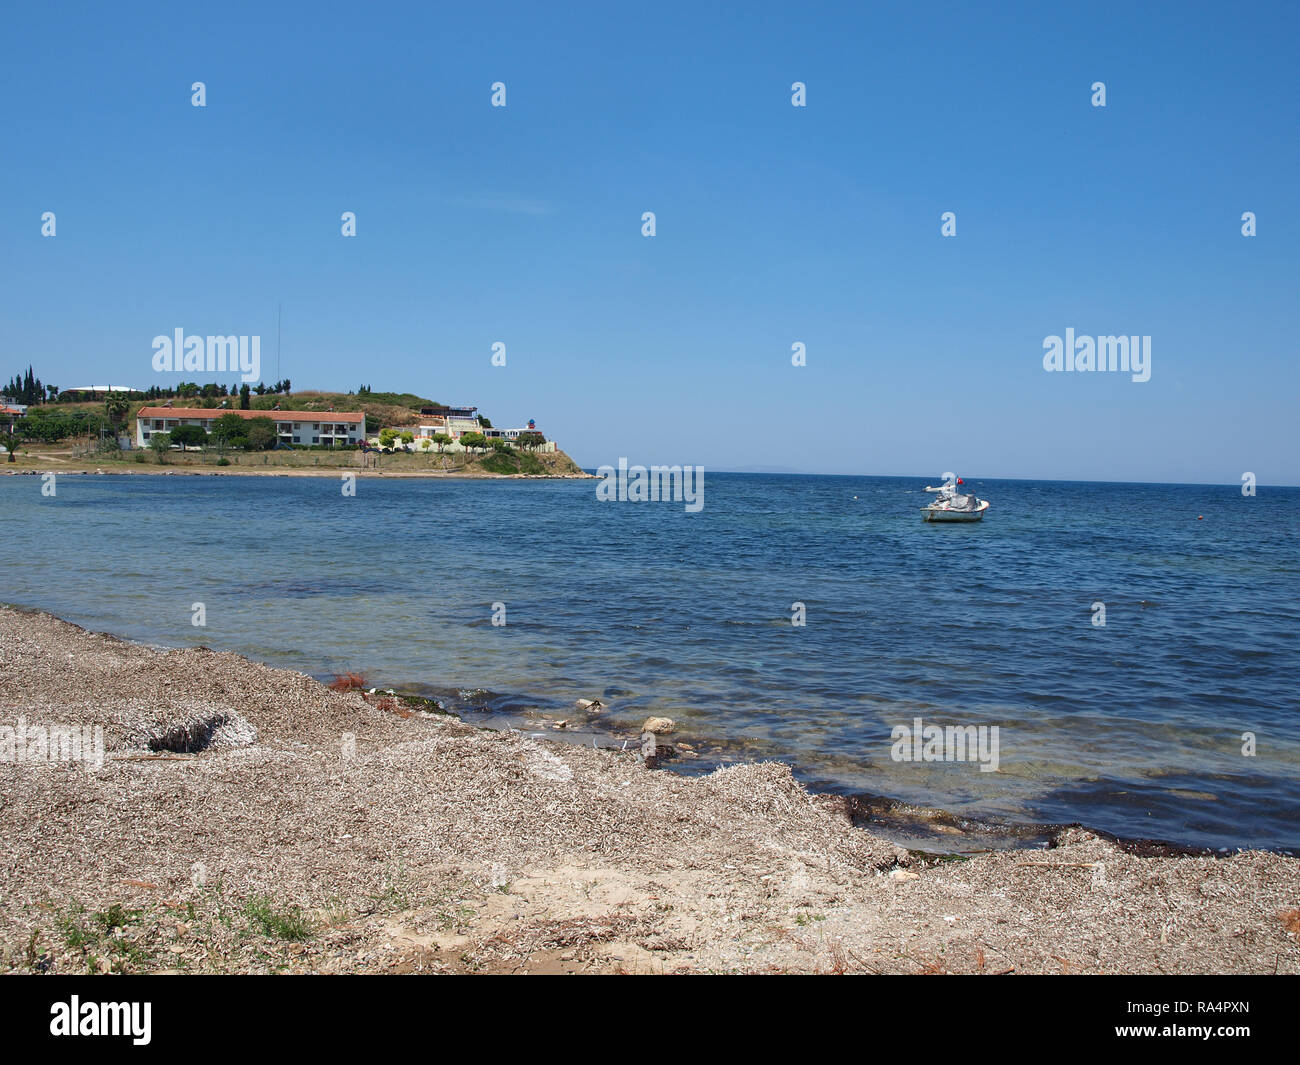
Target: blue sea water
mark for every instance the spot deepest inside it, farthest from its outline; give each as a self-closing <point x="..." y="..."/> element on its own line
<point x="1135" y="728"/>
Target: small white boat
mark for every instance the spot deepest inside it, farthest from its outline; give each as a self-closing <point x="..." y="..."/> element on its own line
<point x="953" y="505"/>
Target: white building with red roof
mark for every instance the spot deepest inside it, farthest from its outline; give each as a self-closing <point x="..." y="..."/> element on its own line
<point x="302" y="427"/>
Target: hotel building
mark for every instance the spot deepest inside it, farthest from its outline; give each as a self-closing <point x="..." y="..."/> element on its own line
<point x="304" y="427"/>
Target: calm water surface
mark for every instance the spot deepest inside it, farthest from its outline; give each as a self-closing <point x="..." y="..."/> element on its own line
<point x="1135" y="728"/>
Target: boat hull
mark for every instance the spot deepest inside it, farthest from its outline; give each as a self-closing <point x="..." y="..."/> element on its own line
<point x="943" y="514"/>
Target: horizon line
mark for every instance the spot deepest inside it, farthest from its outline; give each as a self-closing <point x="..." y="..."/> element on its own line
<point x="1038" y="480"/>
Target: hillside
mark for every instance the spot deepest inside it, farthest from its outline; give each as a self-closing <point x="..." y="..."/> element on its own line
<point x="383" y="410"/>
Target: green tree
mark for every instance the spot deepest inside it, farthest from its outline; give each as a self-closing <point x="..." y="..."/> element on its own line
<point x="473" y="440"/>
<point x="530" y="438"/>
<point x="230" y="430"/>
<point x="243" y="396"/>
<point x="116" y="405"/>
<point x="160" y="442"/>
<point x="189" y="436"/>
<point x="441" y="439"/>
<point x="262" y="434"/>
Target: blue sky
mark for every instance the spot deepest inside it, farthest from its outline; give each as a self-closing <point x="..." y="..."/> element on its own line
<point x="775" y="224"/>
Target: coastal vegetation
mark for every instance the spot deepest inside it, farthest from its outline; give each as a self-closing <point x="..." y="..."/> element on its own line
<point x="60" y="430"/>
<point x="505" y="459"/>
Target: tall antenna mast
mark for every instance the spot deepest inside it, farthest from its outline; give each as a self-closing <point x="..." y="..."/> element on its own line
<point x="278" y="308"/>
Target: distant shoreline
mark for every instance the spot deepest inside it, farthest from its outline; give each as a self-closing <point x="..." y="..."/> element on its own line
<point x="286" y="471"/>
<point x="555" y="466"/>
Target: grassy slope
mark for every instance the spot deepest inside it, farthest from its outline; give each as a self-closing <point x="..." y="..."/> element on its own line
<point x="382" y="409"/>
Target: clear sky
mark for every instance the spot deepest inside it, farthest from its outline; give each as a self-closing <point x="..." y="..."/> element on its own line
<point x="775" y="224"/>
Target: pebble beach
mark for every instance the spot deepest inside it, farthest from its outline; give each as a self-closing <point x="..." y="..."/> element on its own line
<point x="242" y="818"/>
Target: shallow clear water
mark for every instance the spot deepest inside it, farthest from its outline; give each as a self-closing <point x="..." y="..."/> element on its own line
<point x="1135" y="728"/>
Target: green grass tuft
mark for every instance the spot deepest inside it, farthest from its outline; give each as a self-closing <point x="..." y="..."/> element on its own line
<point x="289" y="925"/>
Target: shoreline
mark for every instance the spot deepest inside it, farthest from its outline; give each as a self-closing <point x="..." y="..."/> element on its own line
<point x="290" y="463"/>
<point x="249" y="819"/>
<point x="285" y="471"/>
<point x="926" y="831"/>
<point x="933" y="832"/>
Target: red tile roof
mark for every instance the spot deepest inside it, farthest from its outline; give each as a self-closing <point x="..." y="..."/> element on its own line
<point x="275" y="415"/>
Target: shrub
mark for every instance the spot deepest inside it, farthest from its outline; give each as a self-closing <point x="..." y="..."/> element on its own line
<point x="499" y="463"/>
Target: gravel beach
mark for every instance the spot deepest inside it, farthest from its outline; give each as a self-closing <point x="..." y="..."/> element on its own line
<point x="249" y="819"/>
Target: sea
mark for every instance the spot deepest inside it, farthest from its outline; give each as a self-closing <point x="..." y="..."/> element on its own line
<point x="1127" y="654"/>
